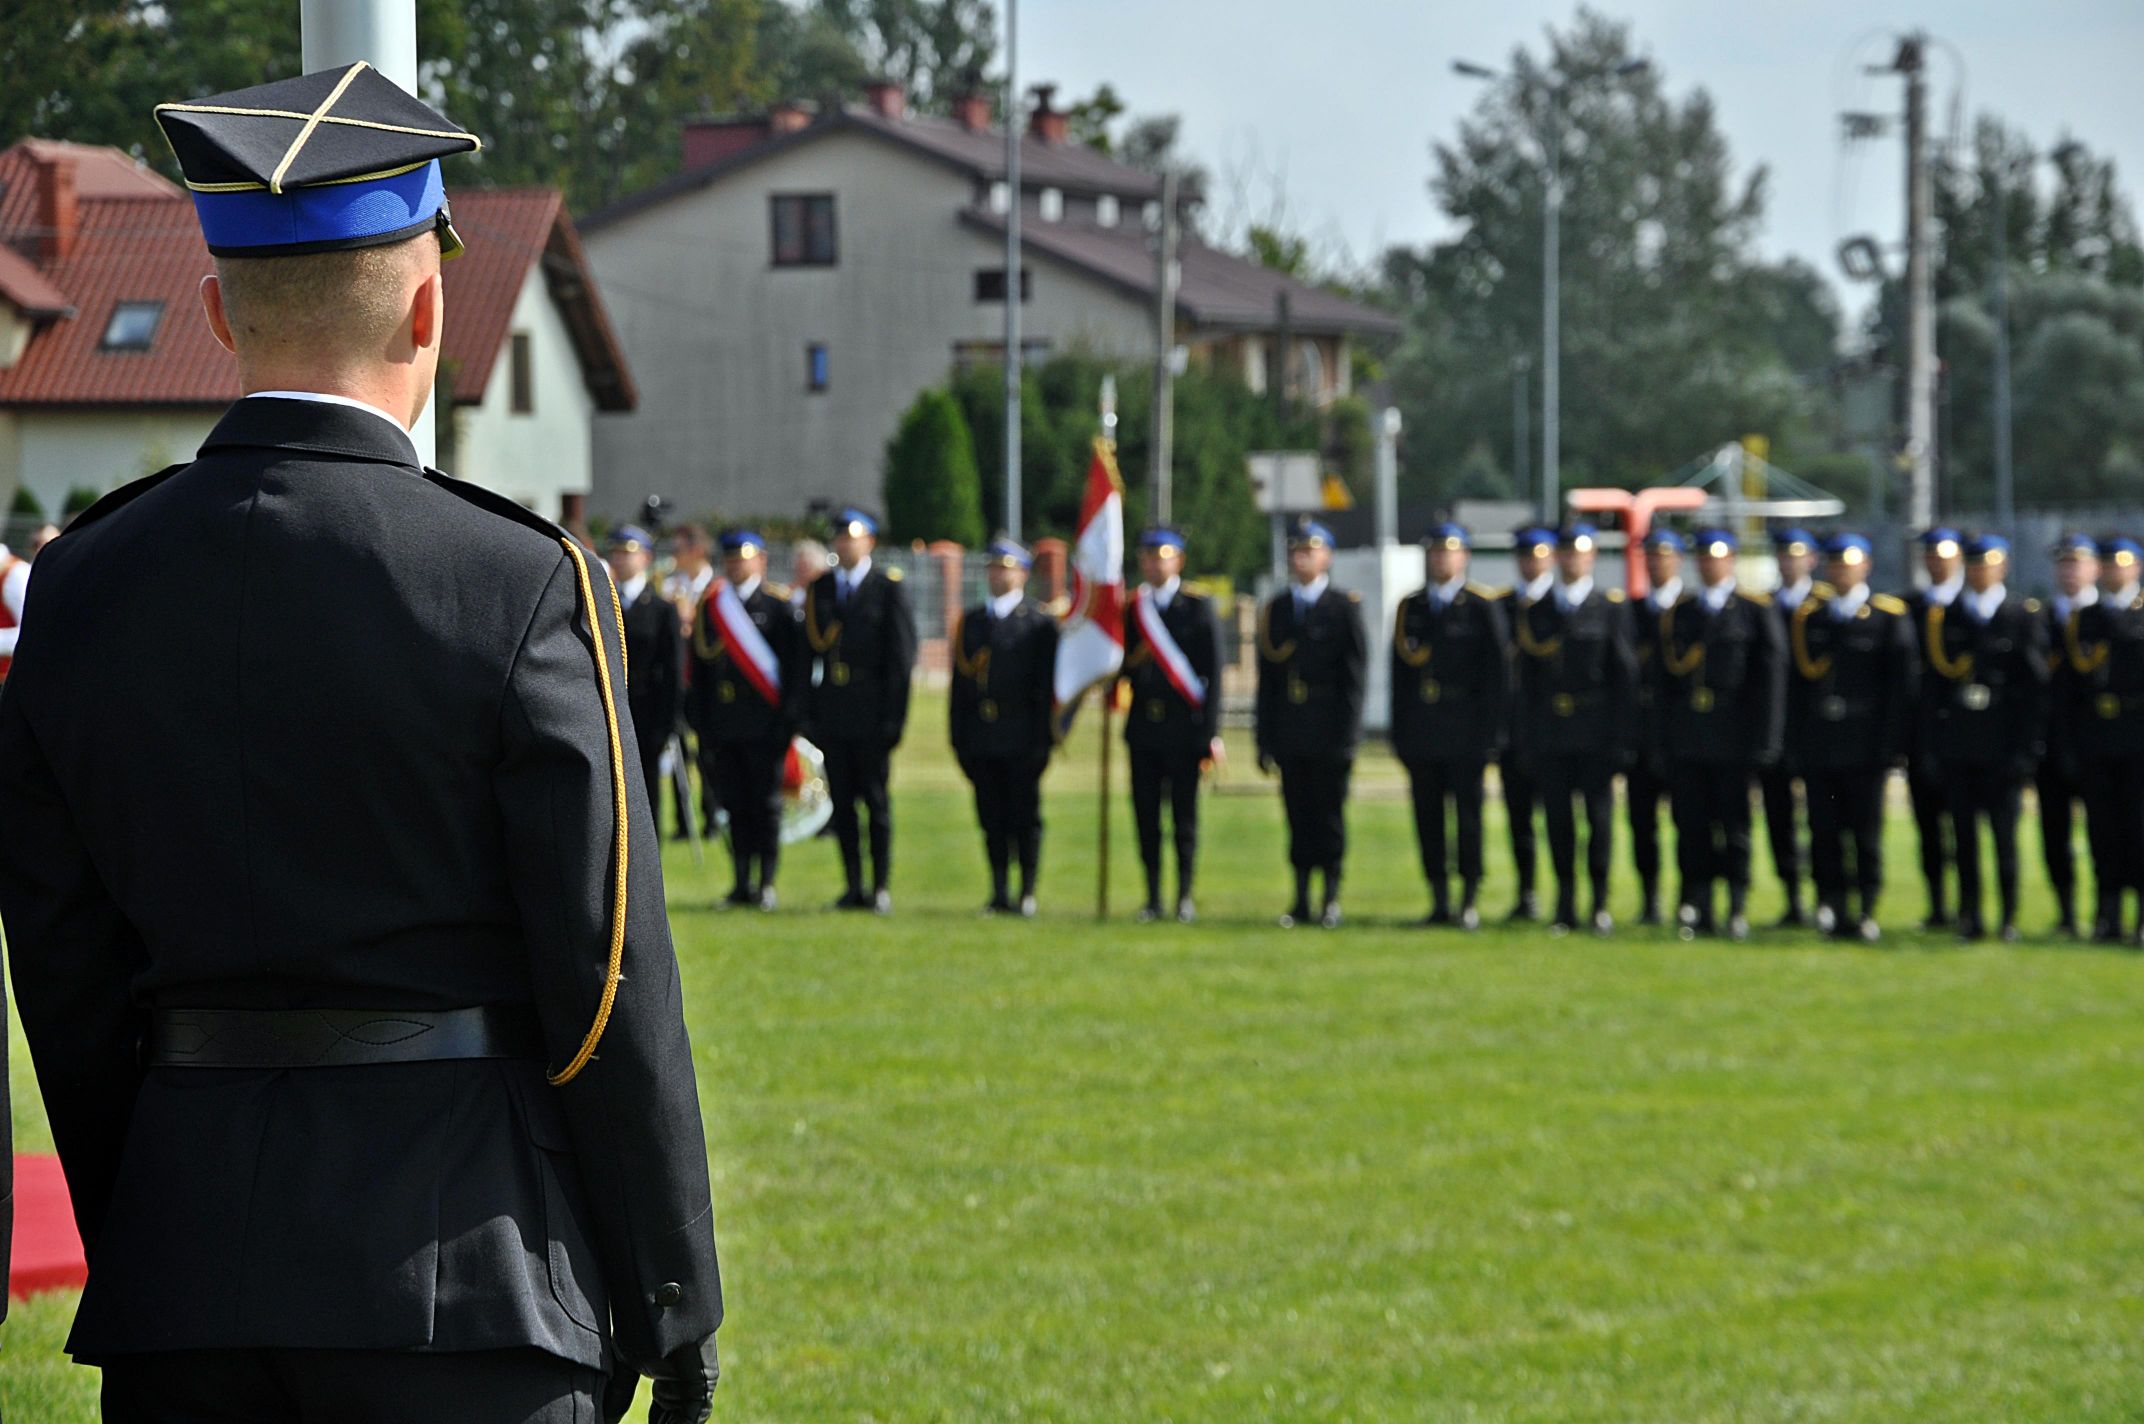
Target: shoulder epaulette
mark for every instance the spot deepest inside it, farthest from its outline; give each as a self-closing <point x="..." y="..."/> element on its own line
<point x="492" y="502"/>
<point x="2032" y="605"/>
<point x="894" y="572"/>
<point x="777" y="591"/>
<point x="1503" y="593"/>
<point x="1823" y="588"/>
<point x="1888" y="603"/>
<point x="1615" y="595"/>
<point x="1353" y="596"/>
<point x="1482" y="590"/>
<point x="126" y="494"/>
<point x="1762" y="600"/>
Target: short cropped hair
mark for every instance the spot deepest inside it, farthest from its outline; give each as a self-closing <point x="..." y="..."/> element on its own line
<point x="351" y="301"/>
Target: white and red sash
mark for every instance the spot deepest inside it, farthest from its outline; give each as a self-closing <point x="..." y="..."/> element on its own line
<point x="1174" y="665"/>
<point x="747" y="645"/>
<point x="10" y="618"/>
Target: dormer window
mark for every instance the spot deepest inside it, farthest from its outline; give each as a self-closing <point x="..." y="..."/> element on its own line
<point x="1105" y="210"/>
<point x="1052" y="205"/>
<point x="132" y="327"/>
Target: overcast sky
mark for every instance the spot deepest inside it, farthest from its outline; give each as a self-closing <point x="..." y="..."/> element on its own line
<point x="1340" y="100"/>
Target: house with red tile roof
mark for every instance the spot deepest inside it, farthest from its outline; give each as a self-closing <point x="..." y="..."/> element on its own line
<point x="786" y="295"/>
<point x="108" y="370"/>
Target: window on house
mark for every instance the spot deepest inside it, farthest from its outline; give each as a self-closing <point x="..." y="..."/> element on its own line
<point x="1052" y="205"/>
<point x="815" y="367"/>
<point x="1105" y="210"/>
<point x="803" y="229"/>
<point x="132" y="327"/>
<point x="524" y="375"/>
<point x="990" y="284"/>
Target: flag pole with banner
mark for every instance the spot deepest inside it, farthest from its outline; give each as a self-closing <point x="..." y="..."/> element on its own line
<point x="1090" y="646"/>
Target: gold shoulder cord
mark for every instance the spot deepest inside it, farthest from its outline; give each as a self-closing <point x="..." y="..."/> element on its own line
<point x="1411" y="653"/>
<point x="1813" y="669"/>
<point x="2086" y="663"/>
<point x="1956" y="669"/>
<point x="1677" y="664"/>
<point x="976" y="667"/>
<point x="819" y="642"/>
<point x="1522" y="629"/>
<point x="1266" y="647"/>
<point x="616" y="968"/>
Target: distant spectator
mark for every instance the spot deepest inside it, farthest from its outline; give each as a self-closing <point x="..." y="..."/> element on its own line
<point x="807" y="562"/>
<point x="691" y="570"/>
<point x="45" y="534"/>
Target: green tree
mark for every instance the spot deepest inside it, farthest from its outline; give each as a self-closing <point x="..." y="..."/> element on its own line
<point x="932" y="488"/>
<point x="25" y="505"/>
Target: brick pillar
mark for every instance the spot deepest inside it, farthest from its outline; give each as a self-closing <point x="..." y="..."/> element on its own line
<point x="1052" y="579"/>
<point x="936" y="653"/>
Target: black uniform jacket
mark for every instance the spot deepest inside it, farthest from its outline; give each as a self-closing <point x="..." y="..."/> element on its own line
<point x="1850" y="683"/>
<point x="655" y="664"/>
<point x="1311" y="677"/>
<point x="1451" y="677"/>
<point x="303" y="725"/>
<point x="726" y="705"/>
<point x="1577" y="677"/>
<point x="865" y="651"/>
<point x="1985" y="684"/>
<point x="1648" y="729"/>
<point x="1004" y="677"/>
<point x="2105" y="649"/>
<point x="1719" y="681"/>
<point x="1160" y="720"/>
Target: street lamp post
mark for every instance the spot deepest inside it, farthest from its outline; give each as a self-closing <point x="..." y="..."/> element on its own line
<point x="1552" y="269"/>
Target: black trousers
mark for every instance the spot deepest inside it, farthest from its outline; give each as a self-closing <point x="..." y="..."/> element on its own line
<point x="1846" y="808"/>
<point x="1782" y="825"/>
<point x="1436" y="782"/>
<point x="856" y="771"/>
<point x="1521" y="798"/>
<point x="1008" y="804"/>
<point x="1314" y="791"/>
<point x="2058" y="792"/>
<point x="650" y="740"/>
<point x="1712" y="821"/>
<point x="1992" y="794"/>
<point x="1643" y="791"/>
<point x="1931" y="819"/>
<point x="1562" y="782"/>
<point x="1176" y="775"/>
<point x="348" y="1387"/>
<point x="748" y="779"/>
<point x="2114" y="810"/>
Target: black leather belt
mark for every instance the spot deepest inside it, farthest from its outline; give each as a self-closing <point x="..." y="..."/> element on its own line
<point x="330" y="1038"/>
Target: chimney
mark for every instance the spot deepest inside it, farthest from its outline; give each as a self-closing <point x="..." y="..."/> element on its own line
<point x="972" y="110"/>
<point x="887" y="98"/>
<point x="787" y="117"/>
<point x="56" y="213"/>
<point x="709" y="141"/>
<point x="1052" y="126"/>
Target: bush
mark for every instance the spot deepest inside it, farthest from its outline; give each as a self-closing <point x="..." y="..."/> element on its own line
<point x="25" y="505"/>
<point x="932" y="488"/>
<point x="78" y="499"/>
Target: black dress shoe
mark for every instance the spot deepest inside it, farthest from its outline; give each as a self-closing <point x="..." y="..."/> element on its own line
<point x="1149" y="912"/>
<point x="741" y="895"/>
<point x="1526" y="910"/>
<point x="1971" y="931"/>
<point x="852" y="900"/>
<point x="1938" y="921"/>
<point x="1441" y="915"/>
<point x="1294" y="915"/>
<point x="997" y="905"/>
<point x="2008" y="933"/>
<point x="1793" y="919"/>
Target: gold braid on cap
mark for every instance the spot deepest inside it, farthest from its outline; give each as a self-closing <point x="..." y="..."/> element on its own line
<point x="615" y="970"/>
<point x="1813" y="669"/>
<point x="1957" y="669"/>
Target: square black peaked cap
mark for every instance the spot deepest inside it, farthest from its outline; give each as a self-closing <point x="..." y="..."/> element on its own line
<point x="334" y="126"/>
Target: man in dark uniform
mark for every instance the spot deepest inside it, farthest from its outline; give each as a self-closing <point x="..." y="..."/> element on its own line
<point x="1451" y="710"/>
<point x="1850" y="682"/>
<point x="1986" y="655"/>
<point x="1172" y="659"/>
<point x="2105" y="651"/>
<point x="1943" y="560"/>
<point x="654" y="651"/>
<point x="863" y="640"/>
<point x="2059" y="781"/>
<point x="343" y="959"/>
<point x="1311" y="665"/>
<point x="1645" y="787"/>
<point x="1795" y="552"/>
<point x="1533" y="551"/>
<point x="1575" y="691"/>
<point x="1004" y="662"/>
<point x="750" y="675"/>
<point x="1719" y="696"/>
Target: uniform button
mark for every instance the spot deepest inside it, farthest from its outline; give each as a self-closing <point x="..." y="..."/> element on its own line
<point x="669" y="1293"/>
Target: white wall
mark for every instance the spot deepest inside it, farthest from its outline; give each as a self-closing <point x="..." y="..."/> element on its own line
<point x="716" y="335"/>
<point x="60" y="449"/>
<point x="533" y="458"/>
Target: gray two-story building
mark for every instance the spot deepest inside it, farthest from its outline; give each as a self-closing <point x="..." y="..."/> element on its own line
<point x="787" y="294"/>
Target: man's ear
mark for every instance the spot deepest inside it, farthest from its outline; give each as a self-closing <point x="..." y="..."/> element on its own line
<point x="219" y="324"/>
<point x="428" y="313"/>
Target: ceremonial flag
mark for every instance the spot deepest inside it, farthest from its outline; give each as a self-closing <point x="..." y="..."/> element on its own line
<point x="1090" y="646"/>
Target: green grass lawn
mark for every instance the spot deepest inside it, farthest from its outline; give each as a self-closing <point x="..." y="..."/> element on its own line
<point x="984" y="1170"/>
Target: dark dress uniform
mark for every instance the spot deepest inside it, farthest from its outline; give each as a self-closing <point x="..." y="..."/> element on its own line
<point x="1776" y="779"/>
<point x="2058" y="781"/>
<point x="1985" y="734"/>
<point x="654" y="679"/>
<point x="1575" y="691"/>
<point x="1924" y="788"/>
<point x="1451" y="706"/>
<point x="1311" y="666"/>
<point x="863" y="642"/>
<point x="1002" y="734"/>
<point x="385" y="817"/>
<point x="1719" y="699"/>
<point x="1645" y="785"/>
<point x="1850" y="697"/>
<point x="1169" y="736"/>
<point x="744" y="734"/>
<point x="2104" y="651"/>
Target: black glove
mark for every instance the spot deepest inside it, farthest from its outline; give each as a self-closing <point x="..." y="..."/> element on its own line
<point x="683" y="1391"/>
<point x="1265" y="761"/>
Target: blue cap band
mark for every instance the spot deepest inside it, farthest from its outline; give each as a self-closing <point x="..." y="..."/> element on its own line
<point x="323" y="218"/>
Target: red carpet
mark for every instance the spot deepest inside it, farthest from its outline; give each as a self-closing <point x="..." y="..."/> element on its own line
<point x="48" y="1252"/>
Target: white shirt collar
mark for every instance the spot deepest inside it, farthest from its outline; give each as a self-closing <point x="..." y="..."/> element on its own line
<point x="1314" y="590"/>
<point x="1664" y="595"/>
<point x="1166" y="594"/>
<point x="856" y="575"/>
<point x="746" y="589"/>
<point x="1003" y="605"/>
<point x="1790" y="595"/>
<point x="324" y="398"/>
<point x="1942" y="594"/>
<point x="1717" y="594"/>
<point x="690" y="585"/>
<point x="1846" y="605"/>
<point x="1449" y="589"/>
<point x="1984" y="603"/>
<point x="631" y="589"/>
<point x="2086" y="597"/>
<point x="1536" y="589"/>
<point x="1570" y="595"/>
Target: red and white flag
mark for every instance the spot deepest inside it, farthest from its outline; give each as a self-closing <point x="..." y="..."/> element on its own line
<point x="748" y="647"/>
<point x="1174" y="664"/>
<point x="1090" y="645"/>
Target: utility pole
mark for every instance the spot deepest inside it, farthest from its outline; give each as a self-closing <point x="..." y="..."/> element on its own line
<point x="1552" y="316"/>
<point x="1277" y="378"/>
<point x="1521" y="436"/>
<point x="1015" y="123"/>
<point x="1164" y="435"/>
<point x="2005" y="479"/>
<point x="383" y="33"/>
<point x="1920" y="290"/>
